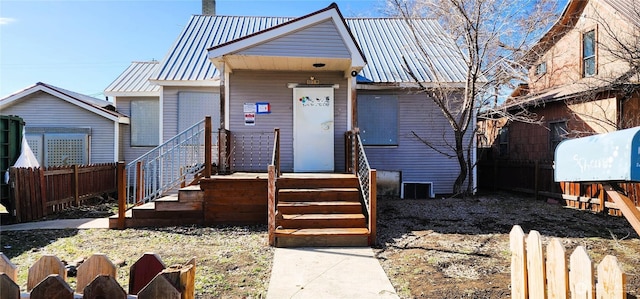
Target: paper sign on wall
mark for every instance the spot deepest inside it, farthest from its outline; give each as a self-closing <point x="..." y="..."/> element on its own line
<point x="249" y="119"/>
<point x="263" y="108"/>
<point x="249" y="108"/>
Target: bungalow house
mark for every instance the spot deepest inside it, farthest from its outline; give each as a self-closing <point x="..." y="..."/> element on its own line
<point x="314" y="77"/>
<point x="337" y="90"/>
<point x="63" y="127"/>
<point x="583" y="79"/>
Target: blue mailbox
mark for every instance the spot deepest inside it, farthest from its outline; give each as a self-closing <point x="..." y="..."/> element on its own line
<point x="610" y="157"/>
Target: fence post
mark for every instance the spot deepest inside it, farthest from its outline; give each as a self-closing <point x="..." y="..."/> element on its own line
<point x="557" y="275"/>
<point x="518" y="263"/>
<point x="43" y="191"/>
<point x="76" y="188"/>
<point x="536" y="280"/>
<point x="581" y="274"/>
<point x="611" y="280"/>
<point x="207" y="146"/>
<point x="121" y="178"/>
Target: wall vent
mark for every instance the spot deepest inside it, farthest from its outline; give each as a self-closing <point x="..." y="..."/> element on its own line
<point x="417" y="190"/>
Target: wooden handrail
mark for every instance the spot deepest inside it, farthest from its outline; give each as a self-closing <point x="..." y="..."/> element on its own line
<point x="275" y="157"/>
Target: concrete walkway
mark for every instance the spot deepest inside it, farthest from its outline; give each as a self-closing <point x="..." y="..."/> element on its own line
<point x="83" y="223"/>
<point x="328" y="273"/>
<point x="319" y="272"/>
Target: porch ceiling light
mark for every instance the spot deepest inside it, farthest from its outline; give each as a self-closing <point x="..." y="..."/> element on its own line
<point x="318" y="65"/>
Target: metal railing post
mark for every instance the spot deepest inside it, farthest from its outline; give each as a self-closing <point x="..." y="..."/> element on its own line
<point x="207" y="146"/>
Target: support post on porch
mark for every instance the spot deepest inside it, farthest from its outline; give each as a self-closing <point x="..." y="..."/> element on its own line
<point x="121" y="178"/>
<point x="207" y="146"/>
<point x="372" y="207"/>
<point x="271" y="204"/>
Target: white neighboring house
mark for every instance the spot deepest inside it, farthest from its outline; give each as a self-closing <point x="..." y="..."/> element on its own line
<point x="64" y="127"/>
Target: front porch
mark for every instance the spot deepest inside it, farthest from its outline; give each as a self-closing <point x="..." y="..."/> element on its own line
<point x="301" y="209"/>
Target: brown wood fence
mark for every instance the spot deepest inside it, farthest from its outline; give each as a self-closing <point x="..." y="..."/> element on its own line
<point x="536" y="177"/>
<point x="534" y="276"/>
<point x="96" y="278"/>
<point x="37" y="192"/>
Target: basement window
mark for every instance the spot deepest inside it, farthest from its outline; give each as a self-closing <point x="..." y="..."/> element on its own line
<point x="417" y="190"/>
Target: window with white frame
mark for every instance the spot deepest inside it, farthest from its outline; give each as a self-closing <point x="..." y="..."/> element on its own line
<point x="378" y="119"/>
<point x="145" y="123"/>
<point x="589" y="53"/>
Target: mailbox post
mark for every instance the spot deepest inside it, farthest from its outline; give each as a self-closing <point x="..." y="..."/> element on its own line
<point x="608" y="159"/>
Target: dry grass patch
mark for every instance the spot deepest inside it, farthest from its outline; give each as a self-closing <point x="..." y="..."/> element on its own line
<point x="232" y="262"/>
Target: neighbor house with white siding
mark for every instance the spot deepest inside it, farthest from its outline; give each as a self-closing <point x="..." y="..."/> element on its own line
<point x="315" y="78"/>
<point x="64" y="127"/>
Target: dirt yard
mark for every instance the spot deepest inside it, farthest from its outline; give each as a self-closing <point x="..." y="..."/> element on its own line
<point x="459" y="248"/>
<point x="441" y="248"/>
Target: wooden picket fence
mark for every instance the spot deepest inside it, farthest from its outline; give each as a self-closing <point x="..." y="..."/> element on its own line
<point x="38" y="192"/>
<point x="532" y="277"/>
<point x="96" y="278"/>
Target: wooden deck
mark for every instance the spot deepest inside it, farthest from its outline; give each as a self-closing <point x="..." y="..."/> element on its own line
<point x="313" y="209"/>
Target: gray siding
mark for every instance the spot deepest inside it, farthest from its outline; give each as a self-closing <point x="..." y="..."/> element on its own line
<point x="41" y="109"/>
<point x="414" y="159"/>
<point x="170" y="108"/>
<point x="264" y="86"/>
<point x="129" y="153"/>
<point x="320" y="40"/>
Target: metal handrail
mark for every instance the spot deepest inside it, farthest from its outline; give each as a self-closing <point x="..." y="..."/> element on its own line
<point x="358" y="164"/>
<point x="363" y="169"/>
<point x="167" y="166"/>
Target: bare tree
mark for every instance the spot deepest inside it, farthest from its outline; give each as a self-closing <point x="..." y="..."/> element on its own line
<point x="490" y="37"/>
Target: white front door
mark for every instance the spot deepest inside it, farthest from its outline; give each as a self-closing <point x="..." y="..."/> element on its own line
<point x="313" y="129"/>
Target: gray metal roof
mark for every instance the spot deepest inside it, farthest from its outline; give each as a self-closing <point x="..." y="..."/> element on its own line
<point x="134" y="79"/>
<point x="384" y="41"/>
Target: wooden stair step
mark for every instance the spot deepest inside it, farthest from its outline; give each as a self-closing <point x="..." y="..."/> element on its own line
<point x="322" y="237"/>
<point x="148" y="211"/>
<point x="172" y="203"/>
<point x="321" y="221"/>
<point x="319" y="194"/>
<point x="191" y="194"/>
<point x="320" y="207"/>
<point x="332" y="181"/>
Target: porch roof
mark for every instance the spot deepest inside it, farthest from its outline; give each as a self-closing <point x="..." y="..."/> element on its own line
<point x="241" y="52"/>
<point x="383" y="42"/>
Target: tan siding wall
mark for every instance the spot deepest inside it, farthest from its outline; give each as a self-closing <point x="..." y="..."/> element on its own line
<point x="128" y="152"/>
<point x="44" y="110"/>
<point x="414" y="159"/>
<point x="564" y="59"/>
<point x="321" y="40"/>
<point x="263" y="86"/>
